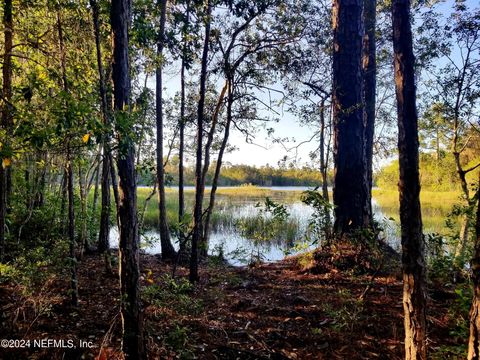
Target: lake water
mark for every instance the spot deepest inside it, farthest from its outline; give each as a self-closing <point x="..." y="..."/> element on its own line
<point x="227" y="238"/>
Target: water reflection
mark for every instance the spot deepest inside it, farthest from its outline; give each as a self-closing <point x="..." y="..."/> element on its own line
<point x="238" y="250"/>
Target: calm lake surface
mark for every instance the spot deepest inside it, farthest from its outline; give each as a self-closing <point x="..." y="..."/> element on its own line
<point x="231" y="208"/>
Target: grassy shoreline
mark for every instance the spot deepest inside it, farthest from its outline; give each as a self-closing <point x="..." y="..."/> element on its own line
<point x="436" y="205"/>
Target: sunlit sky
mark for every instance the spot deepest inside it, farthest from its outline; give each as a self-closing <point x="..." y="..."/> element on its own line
<point x="263" y="150"/>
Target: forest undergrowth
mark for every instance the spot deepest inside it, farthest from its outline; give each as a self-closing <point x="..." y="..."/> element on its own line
<point x="312" y="306"/>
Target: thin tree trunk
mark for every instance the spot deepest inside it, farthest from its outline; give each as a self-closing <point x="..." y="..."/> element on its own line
<point x="463" y="239"/>
<point x="413" y="263"/>
<point x="95" y="189"/>
<point x="199" y="190"/>
<point x="113" y="178"/>
<point x="168" y="252"/>
<point x="39" y="193"/>
<point x="7" y="109"/>
<point x="83" y="209"/>
<point x="218" y="167"/>
<point x="3" y="213"/>
<point x="181" y="195"/>
<point x="323" y="163"/>
<point x="71" y="232"/>
<point x="130" y="310"/>
<point x="369" y="90"/>
<point x="107" y="166"/>
<point x="349" y="197"/>
<point x="63" y="203"/>
<point x="324" y="170"/>
<point x="474" y="339"/>
<point x="103" y="236"/>
<point x="203" y="245"/>
<point x="5" y="183"/>
<point x="456" y="154"/>
<point x="69" y="176"/>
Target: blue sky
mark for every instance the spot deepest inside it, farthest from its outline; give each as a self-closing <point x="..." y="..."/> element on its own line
<point x="264" y="151"/>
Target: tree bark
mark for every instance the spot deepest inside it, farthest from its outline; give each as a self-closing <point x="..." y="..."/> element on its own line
<point x="203" y="246"/>
<point x="7" y="109"/>
<point x="71" y="232"/>
<point x="103" y="235"/>
<point x="181" y="125"/>
<point x="218" y="166"/>
<point x="5" y="176"/>
<point x="349" y="197"/>
<point x="323" y="162"/>
<point x="369" y="90"/>
<point x="131" y="313"/>
<point x="168" y="252"/>
<point x="474" y="339"/>
<point x="463" y="239"/>
<point x="82" y="182"/>
<point x="95" y="189"/>
<point x="68" y="175"/>
<point x="63" y="202"/>
<point x="199" y="189"/>
<point x="104" y="232"/>
<point x="413" y="264"/>
<point x="459" y="251"/>
<point x="40" y="180"/>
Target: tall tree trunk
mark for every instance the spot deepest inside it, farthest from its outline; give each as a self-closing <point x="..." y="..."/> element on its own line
<point x="131" y="313"/>
<point x="181" y="125"/>
<point x="82" y="181"/>
<point x="5" y="172"/>
<point x="459" y="251"/>
<point x="413" y="263"/>
<point x="68" y="174"/>
<point x="369" y="89"/>
<point x="349" y="197"/>
<point x="107" y="166"/>
<point x="203" y="245"/>
<point x="71" y="231"/>
<point x="7" y="110"/>
<point x="103" y="235"/>
<point x="168" y="252"/>
<point x="324" y="170"/>
<point x="474" y="340"/>
<point x="199" y="189"/>
<point x="218" y="166"/>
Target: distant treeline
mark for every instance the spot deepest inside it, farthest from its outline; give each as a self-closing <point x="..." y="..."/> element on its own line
<point x="437" y="173"/>
<point x="232" y="175"/>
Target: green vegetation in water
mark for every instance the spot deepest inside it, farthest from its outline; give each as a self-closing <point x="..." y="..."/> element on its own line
<point x="226" y="199"/>
<point x="272" y="222"/>
<point x="436" y="206"/>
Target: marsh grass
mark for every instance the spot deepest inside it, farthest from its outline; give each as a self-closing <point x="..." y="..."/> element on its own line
<point x="231" y="202"/>
<point x="436" y="205"/>
<point x="227" y="199"/>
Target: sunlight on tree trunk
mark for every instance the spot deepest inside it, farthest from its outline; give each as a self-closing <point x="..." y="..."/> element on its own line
<point x="474" y="340"/>
<point x="413" y="262"/>
<point x="369" y="90"/>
